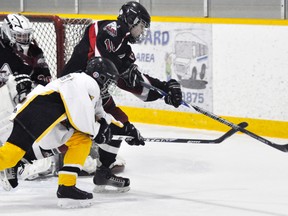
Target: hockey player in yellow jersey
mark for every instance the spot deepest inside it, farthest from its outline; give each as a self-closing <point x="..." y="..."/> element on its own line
<point x="66" y="111"/>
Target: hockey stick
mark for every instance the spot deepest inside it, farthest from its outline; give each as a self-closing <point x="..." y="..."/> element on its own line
<point x="283" y="148"/>
<point x="183" y="140"/>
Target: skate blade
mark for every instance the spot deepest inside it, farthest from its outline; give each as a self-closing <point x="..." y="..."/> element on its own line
<point x="110" y="189"/>
<point x="73" y="203"/>
<point x="4" y="181"/>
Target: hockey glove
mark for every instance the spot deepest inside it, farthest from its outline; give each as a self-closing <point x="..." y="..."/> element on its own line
<point x="104" y="134"/>
<point x="41" y="76"/>
<point x="23" y="87"/>
<point x="173" y="90"/>
<point x="130" y="130"/>
<point x="132" y="76"/>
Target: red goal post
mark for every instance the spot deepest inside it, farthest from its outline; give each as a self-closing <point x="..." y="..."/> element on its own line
<point x="57" y="37"/>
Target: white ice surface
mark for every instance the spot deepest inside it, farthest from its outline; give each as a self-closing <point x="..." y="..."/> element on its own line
<point x="239" y="177"/>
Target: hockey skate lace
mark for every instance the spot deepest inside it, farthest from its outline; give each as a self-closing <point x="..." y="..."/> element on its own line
<point x="117" y="179"/>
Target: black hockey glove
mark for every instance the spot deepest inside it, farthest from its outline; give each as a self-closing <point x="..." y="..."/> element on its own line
<point x="130" y="130"/>
<point x="173" y="89"/>
<point x="132" y="76"/>
<point x="23" y="87"/>
<point x="104" y="134"/>
<point x="41" y="76"/>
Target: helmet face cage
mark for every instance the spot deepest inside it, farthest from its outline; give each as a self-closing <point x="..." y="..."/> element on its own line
<point x="23" y="38"/>
<point x="17" y="29"/>
<point x="139" y="31"/>
<point x="105" y="73"/>
<point x="108" y="88"/>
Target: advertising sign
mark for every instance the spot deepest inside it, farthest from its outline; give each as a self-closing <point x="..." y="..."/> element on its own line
<point x="181" y="51"/>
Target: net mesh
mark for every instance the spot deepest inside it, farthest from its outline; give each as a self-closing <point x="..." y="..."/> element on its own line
<point x="45" y="36"/>
<point x="74" y="30"/>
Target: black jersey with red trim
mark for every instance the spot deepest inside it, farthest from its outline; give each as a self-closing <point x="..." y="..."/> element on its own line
<point x="109" y="39"/>
<point x="15" y="62"/>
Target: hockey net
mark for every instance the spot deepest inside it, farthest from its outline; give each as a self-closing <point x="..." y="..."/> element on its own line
<point x="57" y="37"/>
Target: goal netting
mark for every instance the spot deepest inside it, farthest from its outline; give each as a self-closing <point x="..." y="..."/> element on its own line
<point x="57" y="37"/>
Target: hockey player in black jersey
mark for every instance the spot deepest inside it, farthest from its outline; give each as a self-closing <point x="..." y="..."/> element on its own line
<point x="20" y="56"/>
<point x="111" y="39"/>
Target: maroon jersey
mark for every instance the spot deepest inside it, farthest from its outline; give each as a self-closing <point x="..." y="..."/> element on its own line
<point x="15" y="62"/>
<point x="109" y="39"/>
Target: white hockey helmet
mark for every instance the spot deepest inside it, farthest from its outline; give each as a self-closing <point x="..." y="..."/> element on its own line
<point x="18" y="29"/>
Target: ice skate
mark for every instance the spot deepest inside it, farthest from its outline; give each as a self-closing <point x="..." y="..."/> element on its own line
<point x="8" y="178"/>
<point x="72" y="197"/>
<point x="106" y="181"/>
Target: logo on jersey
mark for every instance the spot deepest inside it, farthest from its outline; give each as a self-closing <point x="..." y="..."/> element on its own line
<point x="122" y="56"/>
<point x="132" y="56"/>
<point x="91" y="97"/>
<point x="111" y="29"/>
<point x="109" y="45"/>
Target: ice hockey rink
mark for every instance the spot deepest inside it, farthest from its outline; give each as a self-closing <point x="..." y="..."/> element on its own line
<point x="238" y="177"/>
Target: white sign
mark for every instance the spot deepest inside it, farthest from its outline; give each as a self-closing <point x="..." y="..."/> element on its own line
<point x="180" y="51"/>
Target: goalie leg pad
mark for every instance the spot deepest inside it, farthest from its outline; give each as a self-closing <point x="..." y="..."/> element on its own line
<point x="38" y="168"/>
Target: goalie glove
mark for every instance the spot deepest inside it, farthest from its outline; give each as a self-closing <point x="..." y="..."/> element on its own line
<point x="23" y="87"/>
<point x="132" y="76"/>
<point x="174" y="94"/>
<point x="104" y="134"/>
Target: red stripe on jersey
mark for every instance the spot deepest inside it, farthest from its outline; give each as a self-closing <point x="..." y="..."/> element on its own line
<point x="92" y="40"/>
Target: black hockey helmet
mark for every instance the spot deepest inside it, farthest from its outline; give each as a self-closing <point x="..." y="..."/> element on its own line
<point x="132" y="13"/>
<point x="105" y="73"/>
